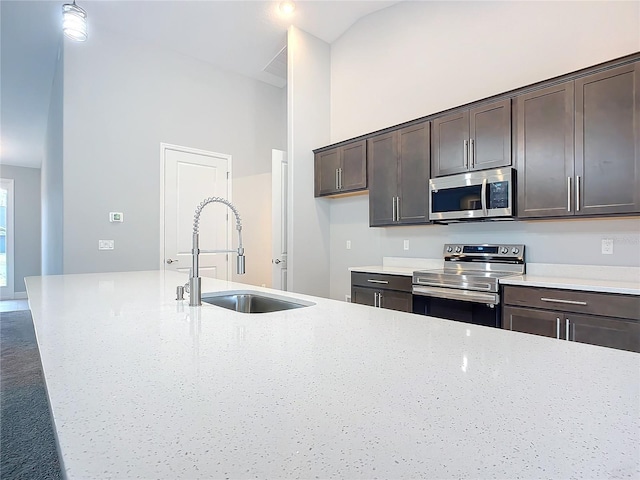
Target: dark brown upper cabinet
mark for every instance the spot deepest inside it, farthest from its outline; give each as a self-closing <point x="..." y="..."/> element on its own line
<point x="472" y="139"/>
<point x="578" y="146"/>
<point x="341" y="169"/>
<point x="399" y="176"/>
<point x="608" y="142"/>
<point x="544" y="153"/>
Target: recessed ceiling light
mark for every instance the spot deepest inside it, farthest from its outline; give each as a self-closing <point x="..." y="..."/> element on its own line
<point x="287" y="7"/>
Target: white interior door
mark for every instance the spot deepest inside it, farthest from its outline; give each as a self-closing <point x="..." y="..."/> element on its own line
<point x="190" y="176"/>
<point x="279" y="197"/>
<point x="6" y="238"/>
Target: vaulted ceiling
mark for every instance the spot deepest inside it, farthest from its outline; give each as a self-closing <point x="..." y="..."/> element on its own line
<point x="239" y="36"/>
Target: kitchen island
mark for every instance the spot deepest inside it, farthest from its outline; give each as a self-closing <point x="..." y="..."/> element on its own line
<point x="144" y="386"/>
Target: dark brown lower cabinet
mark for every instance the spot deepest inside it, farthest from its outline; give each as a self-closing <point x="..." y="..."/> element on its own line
<point x="529" y="320"/>
<point x="615" y="330"/>
<point x="604" y="331"/>
<point x="392" y="292"/>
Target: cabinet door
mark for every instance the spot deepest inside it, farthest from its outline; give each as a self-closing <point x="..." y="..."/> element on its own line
<point x="413" y="171"/>
<point x="363" y="296"/>
<point x="536" y="322"/>
<point x="354" y="166"/>
<point x="450" y="144"/>
<point x="604" y="331"/>
<point x="382" y="157"/>
<point x="490" y="136"/>
<point x="544" y="124"/>
<point x="326" y="168"/>
<point x="608" y="141"/>
<point x="392" y="300"/>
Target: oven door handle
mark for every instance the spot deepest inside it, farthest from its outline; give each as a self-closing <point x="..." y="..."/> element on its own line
<point x="454" y="294"/>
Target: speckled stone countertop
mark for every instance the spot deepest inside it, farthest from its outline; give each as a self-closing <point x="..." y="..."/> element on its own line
<point x="589" y="278"/>
<point x="142" y="386"/>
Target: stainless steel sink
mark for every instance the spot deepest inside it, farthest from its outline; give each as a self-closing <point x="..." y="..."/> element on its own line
<point x="246" y="301"/>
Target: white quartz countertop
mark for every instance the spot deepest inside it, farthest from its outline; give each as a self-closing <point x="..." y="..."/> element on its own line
<point x="585" y="284"/>
<point x="142" y="386"/>
<point x="392" y="270"/>
<point x="590" y="278"/>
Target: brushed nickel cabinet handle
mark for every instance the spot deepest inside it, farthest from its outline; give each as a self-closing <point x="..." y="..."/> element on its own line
<point x="568" y="194"/>
<point x="397" y="209"/>
<point x="578" y="193"/>
<point x="558" y="328"/>
<point x="472" y="153"/>
<point x="340" y="178"/>
<point x="383" y="282"/>
<point x="337" y="180"/>
<point x="375" y="299"/>
<point x="567" y="328"/>
<point x="393" y="212"/>
<point x="170" y="261"/>
<point x="466" y="153"/>
<point x="557" y="300"/>
<point x="380" y="300"/>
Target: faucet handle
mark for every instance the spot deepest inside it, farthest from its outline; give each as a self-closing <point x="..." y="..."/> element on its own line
<point x="179" y="292"/>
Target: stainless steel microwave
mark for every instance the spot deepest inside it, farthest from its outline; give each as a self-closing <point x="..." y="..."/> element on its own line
<point x="487" y="194"/>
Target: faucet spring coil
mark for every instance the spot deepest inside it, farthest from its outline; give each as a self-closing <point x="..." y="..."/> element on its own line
<point x="206" y="201"/>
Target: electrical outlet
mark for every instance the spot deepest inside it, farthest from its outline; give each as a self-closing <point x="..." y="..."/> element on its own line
<point x="348" y="244"/>
<point x="105" y="245"/>
<point x="406" y="244"/>
<point x="607" y="246"/>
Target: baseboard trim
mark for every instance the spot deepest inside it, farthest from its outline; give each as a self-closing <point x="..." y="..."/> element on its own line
<point x="16" y="296"/>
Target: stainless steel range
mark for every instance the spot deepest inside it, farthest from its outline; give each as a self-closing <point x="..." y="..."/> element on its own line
<point x="467" y="288"/>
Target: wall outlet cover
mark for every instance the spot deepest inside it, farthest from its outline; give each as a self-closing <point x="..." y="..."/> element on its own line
<point x="106" y="244"/>
<point x="607" y="246"/>
<point x="406" y="244"/>
<point x="348" y="244"/>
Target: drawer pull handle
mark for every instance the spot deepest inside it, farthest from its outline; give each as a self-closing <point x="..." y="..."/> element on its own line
<point x="384" y="282"/>
<point x="557" y="300"/>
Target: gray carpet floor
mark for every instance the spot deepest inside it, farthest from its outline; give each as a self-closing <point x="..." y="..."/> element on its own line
<point x="27" y="442"/>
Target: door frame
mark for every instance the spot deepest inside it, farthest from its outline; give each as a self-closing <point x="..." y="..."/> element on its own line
<point x="8" y="292"/>
<point x="279" y="216"/>
<point x="163" y="149"/>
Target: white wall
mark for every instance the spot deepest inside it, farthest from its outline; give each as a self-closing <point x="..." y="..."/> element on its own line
<point x="122" y="98"/>
<point x="51" y="187"/>
<point x="308" y="90"/>
<point x="418" y="58"/>
<point x="26" y="195"/>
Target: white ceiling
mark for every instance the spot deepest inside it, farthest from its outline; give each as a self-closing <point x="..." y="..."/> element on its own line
<point x="240" y="36"/>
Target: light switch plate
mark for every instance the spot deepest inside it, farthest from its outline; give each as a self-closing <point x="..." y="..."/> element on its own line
<point x="117" y="217"/>
<point x="348" y="244"/>
<point x="406" y="244"/>
<point x="607" y="246"/>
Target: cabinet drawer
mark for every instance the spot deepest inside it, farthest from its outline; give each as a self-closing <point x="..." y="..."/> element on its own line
<point x="382" y="281"/>
<point x="606" y="304"/>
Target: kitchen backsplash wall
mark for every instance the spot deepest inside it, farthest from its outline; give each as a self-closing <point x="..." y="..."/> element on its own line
<point x="547" y="241"/>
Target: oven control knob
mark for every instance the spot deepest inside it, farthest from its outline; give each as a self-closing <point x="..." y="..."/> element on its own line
<point x="449" y="249"/>
<point x="458" y="249"/>
<point x="515" y="251"/>
<point x="504" y="250"/>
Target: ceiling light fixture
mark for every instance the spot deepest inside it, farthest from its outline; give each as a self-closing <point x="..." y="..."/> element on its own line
<point x="287" y="7"/>
<point x="74" y="22"/>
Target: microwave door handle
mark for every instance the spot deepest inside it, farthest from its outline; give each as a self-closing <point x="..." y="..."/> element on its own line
<point x="483" y="197"/>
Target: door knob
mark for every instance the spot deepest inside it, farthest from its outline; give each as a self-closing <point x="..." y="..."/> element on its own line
<point x="170" y="261"/>
<point x="276" y="261"/>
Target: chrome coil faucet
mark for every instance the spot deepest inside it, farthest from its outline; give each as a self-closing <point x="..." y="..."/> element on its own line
<point x="195" y="282"/>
